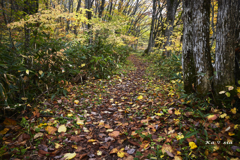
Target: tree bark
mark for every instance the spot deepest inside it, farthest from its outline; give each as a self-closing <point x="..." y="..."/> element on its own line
<point x="172" y="6"/>
<point x="151" y="39"/>
<point x="201" y="49"/>
<point x="225" y="45"/>
<point x="189" y="77"/>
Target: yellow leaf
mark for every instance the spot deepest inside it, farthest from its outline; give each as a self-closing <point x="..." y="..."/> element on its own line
<point x="27" y="72"/>
<point x="4" y="131"/>
<point x="24" y="98"/>
<point x="140" y="97"/>
<point x="80" y="122"/>
<point x="206" y="152"/>
<point x="62" y="128"/>
<point x="238" y="89"/>
<point x="111" y="100"/>
<point x="120" y="153"/>
<point x="192" y="145"/>
<point x="82" y="65"/>
<point x="159" y="114"/>
<point x="109" y="130"/>
<point x="223" y="115"/>
<point x="231" y="133"/>
<point x="70" y="115"/>
<point x="177" y="112"/>
<point x="180" y="137"/>
<point x="58" y="145"/>
<point x="76" y="102"/>
<point x="177" y="158"/>
<point x="50" y="129"/>
<point x="234" y="110"/>
<point x="99" y="153"/>
<point x="75" y="146"/>
<point x="236" y="126"/>
<point x="40" y="72"/>
<point x="91" y="140"/>
<point x="69" y="156"/>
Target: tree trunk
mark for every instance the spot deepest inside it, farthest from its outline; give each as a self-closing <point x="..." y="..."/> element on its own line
<point x="225" y="45"/>
<point x="88" y="5"/>
<point x="151" y="39"/>
<point x="187" y="48"/>
<point x="201" y="49"/>
<point x="172" y="6"/>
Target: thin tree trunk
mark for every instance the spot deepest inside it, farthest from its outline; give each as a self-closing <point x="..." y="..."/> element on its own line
<point x="225" y="45"/>
<point x="172" y="6"/>
<point x="201" y="50"/>
<point x="151" y="39"/>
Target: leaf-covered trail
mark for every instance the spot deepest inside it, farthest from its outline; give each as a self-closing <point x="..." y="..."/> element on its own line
<point x="124" y="117"/>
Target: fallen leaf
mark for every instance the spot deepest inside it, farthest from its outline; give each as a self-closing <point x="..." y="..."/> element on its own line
<point x="79" y="121"/>
<point x="140" y="97"/>
<point x="166" y="148"/>
<point x="38" y="135"/>
<point x="234" y="110"/>
<point x="212" y="117"/>
<point x="50" y="129"/>
<point x="120" y="153"/>
<point x="231" y="133"/>
<point x="177" y="112"/>
<point x="177" y="158"/>
<point x="69" y="156"/>
<point x="2" y="132"/>
<point x="192" y="145"/>
<point x="114" y="134"/>
<point x="62" y="128"/>
<point x="58" y="145"/>
<point x="99" y="153"/>
<point x="114" y="150"/>
<point x="9" y="121"/>
<point x="76" y="101"/>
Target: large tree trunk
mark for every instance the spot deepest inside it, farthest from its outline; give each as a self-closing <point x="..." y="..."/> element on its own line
<point x="225" y="45"/>
<point x="187" y="48"/>
<point x="151" y="39"/>
<point x="201" y="50"/>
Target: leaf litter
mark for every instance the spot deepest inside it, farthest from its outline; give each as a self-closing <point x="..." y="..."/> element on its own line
<point x="125" y="117"/>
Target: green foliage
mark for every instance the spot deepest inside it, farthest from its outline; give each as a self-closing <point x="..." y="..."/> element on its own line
<point x="50" y="63"/>
<point x="166" y="67"/>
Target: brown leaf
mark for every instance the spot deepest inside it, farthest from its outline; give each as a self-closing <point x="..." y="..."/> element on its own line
<point x="114" y="150"/>
<point x="9" y="121"/>
<point x="212" y="117"/>
<point x="82" y="156"/>
<point x="134" y="143"/>
<point x="114" y="134"/>
<point x="167" y="148"/>
<point x="128" y="158"/>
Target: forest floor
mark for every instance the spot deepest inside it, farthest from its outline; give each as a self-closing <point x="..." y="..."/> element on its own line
<point x="131" y="115"/>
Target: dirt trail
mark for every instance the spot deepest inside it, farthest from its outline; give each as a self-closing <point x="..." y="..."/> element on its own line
<point x="103" y="119"/>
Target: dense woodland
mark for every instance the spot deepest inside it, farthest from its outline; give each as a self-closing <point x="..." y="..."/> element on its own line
<point x="119" y="79"/>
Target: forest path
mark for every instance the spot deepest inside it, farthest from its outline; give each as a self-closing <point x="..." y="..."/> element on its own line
<point x="130" y="116"/>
